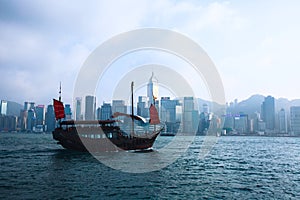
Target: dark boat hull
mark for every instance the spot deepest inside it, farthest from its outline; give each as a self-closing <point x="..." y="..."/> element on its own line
<point x="104" y="139"/>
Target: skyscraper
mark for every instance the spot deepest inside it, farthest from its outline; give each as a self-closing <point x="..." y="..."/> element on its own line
<point x="119" y="106"/>
<point x="204" y="120"/>
<point x="98" y="114"/>
<point x="90" y="107"/>
<point x="23" y="119"/>
<point x="3" y="107"/>
<point x="50" y="119"/>
<point x="106" y="111"/>
<point x="142" y="109"/>
<point x="188" y="113"/>
<point x="152" y="90"/>
<point x="282" y="121"/>
<point x="30" y="120"/>
<point x="295" y="120"/>
<point x="268" y="112"/>
<point x="68" y="112"/>
<point x="78" y="115"/>
<point x="40" y="115"/>
<point x="168" y="114"/>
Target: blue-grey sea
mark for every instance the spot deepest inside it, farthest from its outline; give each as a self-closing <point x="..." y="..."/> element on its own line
<point x="33" y="166"/>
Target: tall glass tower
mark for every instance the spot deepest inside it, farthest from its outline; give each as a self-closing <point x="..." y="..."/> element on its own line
<point x="90" y="107"/>
<point x="78" y="109"/>
<point x="268" y="112"/>
<point x="152" y="90"/>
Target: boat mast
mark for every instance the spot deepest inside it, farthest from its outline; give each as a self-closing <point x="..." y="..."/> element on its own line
<point x="132" y="114"/>
<point x="59" y="91"/>
<point x="154" y="106"/>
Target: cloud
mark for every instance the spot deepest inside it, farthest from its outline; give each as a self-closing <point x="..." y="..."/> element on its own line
<point x="44" y="42"/>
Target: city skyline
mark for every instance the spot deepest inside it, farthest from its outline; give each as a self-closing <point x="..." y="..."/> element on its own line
<point x="184" y="115"/>
<point x="254" y="44"/>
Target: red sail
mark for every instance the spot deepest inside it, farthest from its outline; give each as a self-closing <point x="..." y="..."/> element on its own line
<point x="58" y="109"/>
<point x="154" y="118"/>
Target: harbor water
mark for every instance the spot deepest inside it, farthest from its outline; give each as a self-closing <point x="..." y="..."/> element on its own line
<point x="33" y="166"/>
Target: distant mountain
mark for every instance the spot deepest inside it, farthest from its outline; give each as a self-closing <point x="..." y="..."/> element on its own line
<point x="253" y="104"/>
<point x="248" y="106"/>
<point x="286" y="104"/>
<point x="214" y="107"/>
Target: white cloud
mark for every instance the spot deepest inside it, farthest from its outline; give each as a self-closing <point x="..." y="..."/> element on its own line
<point x="43" y="42"/>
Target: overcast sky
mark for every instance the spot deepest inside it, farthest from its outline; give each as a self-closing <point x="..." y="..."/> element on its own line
<point x="255" y="45"/>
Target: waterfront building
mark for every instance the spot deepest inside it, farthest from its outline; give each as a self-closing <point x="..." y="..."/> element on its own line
<point x="152" y="90"/>
<point x="68" y="112"/>
<point x="90" y="107"/>
<point x="282" y="121"/>
<point x="119" y="106"/>
<point x="106" y="111"/>
<point x="204" y="120"/>
<point x="98" y="113"/>
<point x="142" y="109"/>
<point x="23" y="120"/>
<point x="188" y="115"/>
<point x="179" y="116"/>
<point x="3" y="107"/>
<point x="50" y="119"/>
<point x="205" y="108"/>
<point x="241" y="123"/>
<point x="40" y="115"/>
<point x="78" y="105"/>
<point x="28" y="105"/>
<point x="228" y="122"/>
<point x="236" y="122"/>
<point x="8" y="123"/>
<point x="168" y="114"/>
<point x="295" y="120"/>
<point x="261" y="126"/>
<point x="30" y="120"/>
<point x="268" y="112"/>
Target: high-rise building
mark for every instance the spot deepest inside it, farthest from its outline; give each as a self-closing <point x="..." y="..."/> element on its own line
<point x="26" y="105"/>
<point x="8" y="123"/>
<point x="78" y="114"/>
<point x="205" y="108"/>
<point x="204" y="120"/>
<point x="168" y="114"/>
<point x="241" y="123"/>
<point x="98" y="114"/>
<point x="90" y="107"/>
<point x="23" y="119"/>
<point x="268" y="112"/>
<point x="188" y="114"/>
<point x="282" y="121"/>
<point x="3" y="107"/>
<point x="142" y="109"/>
<point x="106" y="111"/>
<point x="119" y="106"/>
<point x="40" y="115"/>
<point x="30" y="120"/>
<point x="50" y="119"/>
<point x="68" y="112"/>
<point x="295" y="120"/>
<point x="152" y="90"/>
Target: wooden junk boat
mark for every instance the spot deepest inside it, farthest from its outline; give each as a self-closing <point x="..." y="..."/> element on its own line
<point x="122" y="132"/>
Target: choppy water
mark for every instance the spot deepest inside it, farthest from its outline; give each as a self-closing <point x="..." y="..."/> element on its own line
<point x="35" y="167"/>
